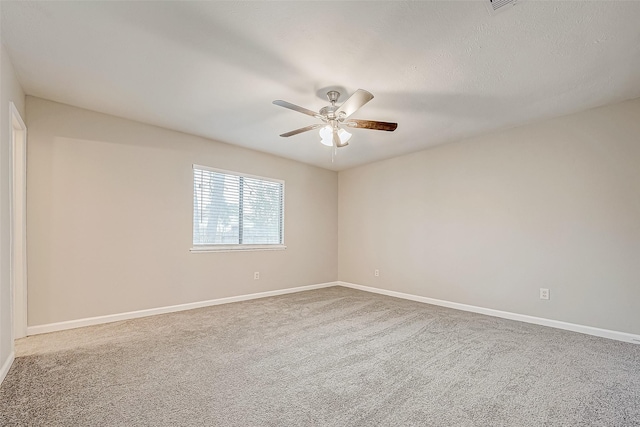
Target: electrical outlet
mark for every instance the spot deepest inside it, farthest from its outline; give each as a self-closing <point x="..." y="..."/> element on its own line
<point x="376" y="273"/>
<point x="256" y="275"/>
<point x="544" y="293"/>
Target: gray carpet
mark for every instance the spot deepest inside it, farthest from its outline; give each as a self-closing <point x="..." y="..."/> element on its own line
<point x="329" y="357"/>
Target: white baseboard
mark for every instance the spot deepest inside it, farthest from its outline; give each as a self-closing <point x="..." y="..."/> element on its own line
<point x="6" y="366"/>
<point x="72" y="324"/>
<point x="589" y="330"/>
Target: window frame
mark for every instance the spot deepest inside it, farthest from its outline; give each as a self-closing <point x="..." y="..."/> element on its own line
<point x="235" y="247"/>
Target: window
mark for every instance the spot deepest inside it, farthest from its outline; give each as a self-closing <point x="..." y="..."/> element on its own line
<point x="236" y="211"/>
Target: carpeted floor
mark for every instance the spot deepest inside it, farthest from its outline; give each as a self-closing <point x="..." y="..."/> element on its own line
<point x="329" y="357"/>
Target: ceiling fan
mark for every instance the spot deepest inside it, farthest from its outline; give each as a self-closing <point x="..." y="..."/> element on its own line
<point x="334" y="117"/>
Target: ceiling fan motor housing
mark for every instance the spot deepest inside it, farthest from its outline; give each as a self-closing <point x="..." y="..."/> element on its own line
<point x="330" y="110"/>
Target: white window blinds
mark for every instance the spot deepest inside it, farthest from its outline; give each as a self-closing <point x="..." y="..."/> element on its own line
<point x="235" y="209"/>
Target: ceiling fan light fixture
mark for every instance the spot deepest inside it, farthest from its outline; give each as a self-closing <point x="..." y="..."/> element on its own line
<point x="326" y="136"/>
<point x="335" y="116"/>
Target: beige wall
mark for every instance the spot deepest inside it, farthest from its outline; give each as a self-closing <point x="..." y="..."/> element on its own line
<point x="10" y="91"/>
<point x="110" y="212"/>
<point x="486" y="222"/>
<point x="490" y="220"/>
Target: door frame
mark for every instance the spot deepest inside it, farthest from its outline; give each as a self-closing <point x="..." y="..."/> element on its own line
<point x="18" y="221"/>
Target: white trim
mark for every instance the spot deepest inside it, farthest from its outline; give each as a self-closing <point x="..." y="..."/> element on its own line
<point x="17" y="273"/>
<point x="72" y="324"/>
<point x="589" y="330"/>
<point x="15" y="113"/>
<point x="7" y="365"/>
<point x="235" y="248"/>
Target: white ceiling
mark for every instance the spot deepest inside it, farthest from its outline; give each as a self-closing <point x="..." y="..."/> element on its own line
<point x="442" y="70"/>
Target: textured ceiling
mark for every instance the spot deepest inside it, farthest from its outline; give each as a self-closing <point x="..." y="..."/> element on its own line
<point x="442" y="70"/>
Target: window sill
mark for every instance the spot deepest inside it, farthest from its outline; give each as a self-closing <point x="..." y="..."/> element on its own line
<point x="237" y="248"/>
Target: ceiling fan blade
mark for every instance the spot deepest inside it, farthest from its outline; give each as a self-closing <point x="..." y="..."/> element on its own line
<point x="297" y="108"/>
<point x="355" y="101"/>
<point x="370" y="124"/>
<point x="304" y="129"/>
